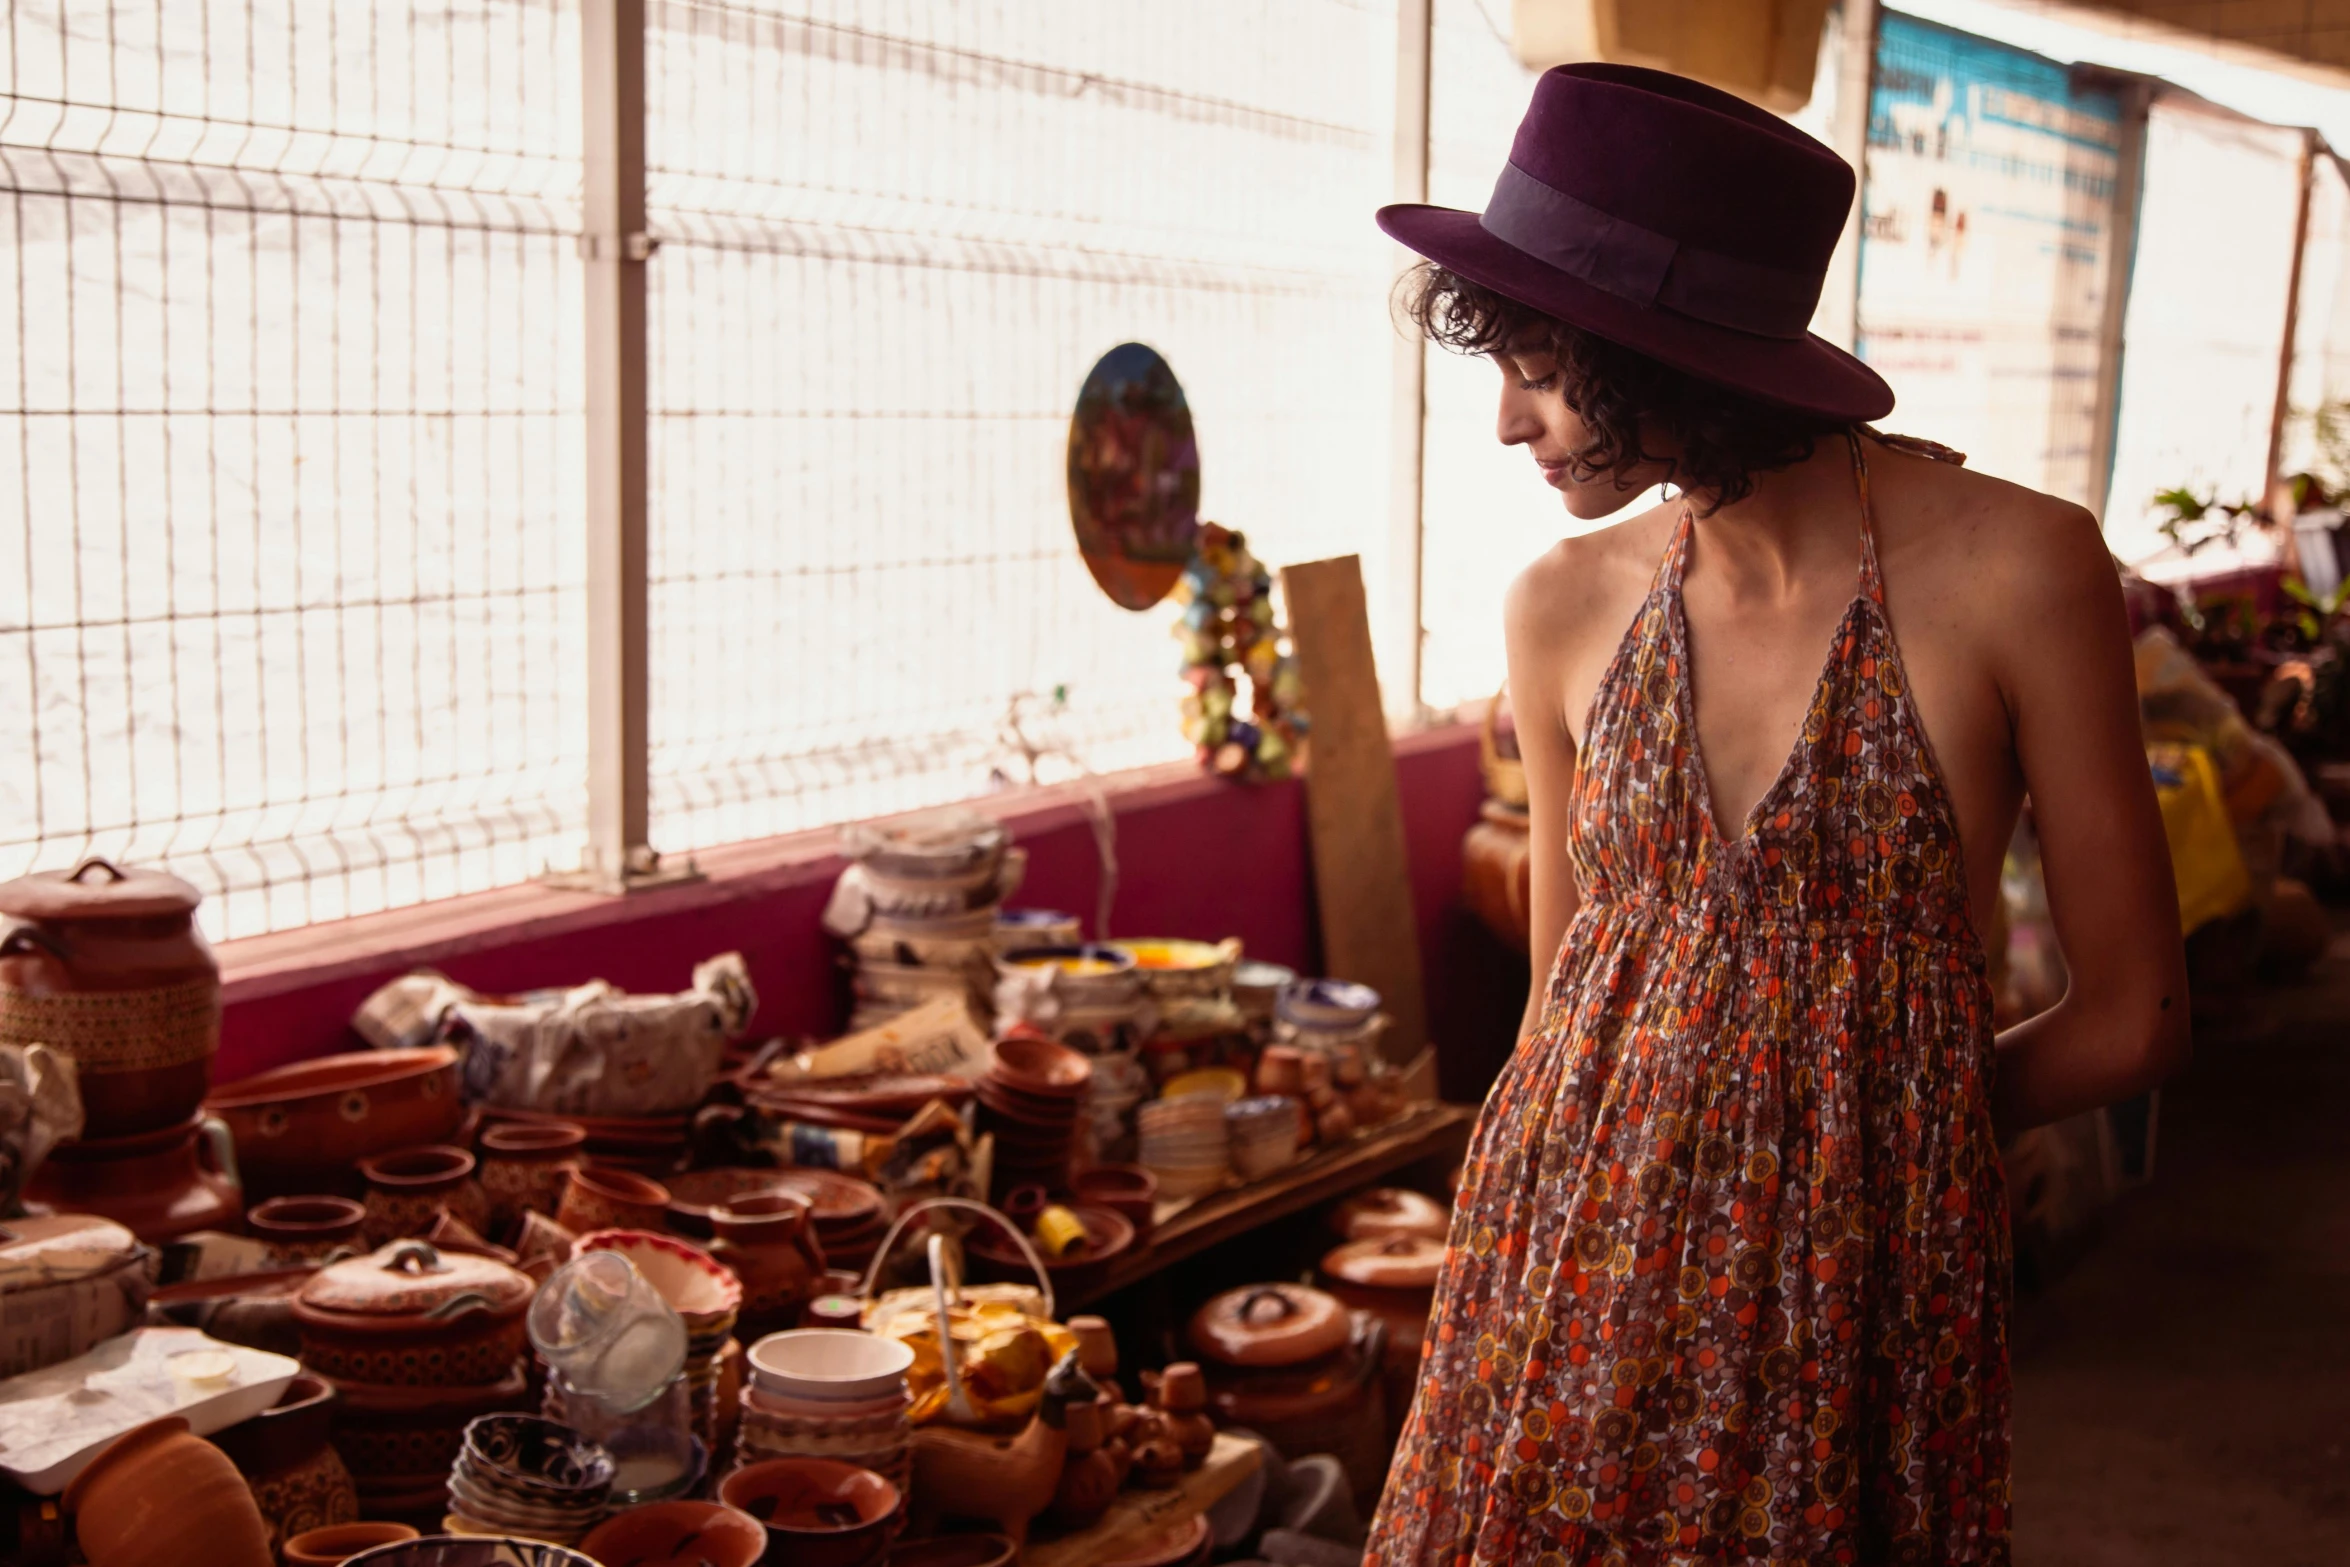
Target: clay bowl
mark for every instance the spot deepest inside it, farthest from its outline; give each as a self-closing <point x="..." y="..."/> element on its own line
<point x="472" y="1550"/>
<point x="678" y="1534"/>
<point x="338" y="1542"/>
<point x="1040" y="1109"/>
<point x="285" y="1433"/>
<point x="1125" y="1189"/>
<point x="833" y="1198"/>
<point x="539" y="1463"/>
<point x="957" y="1550"/>
<point x="829" y="1115"/>
<point x="1107" y="1237"/>
<point x="1039" y="1067"/>
<point x="306" y="1226"/>
<point x="693" y="1193"/>
<point x="893" y="1094"/>
<point x="602" y="1199"/>
<point x="817" y="1364"/>
<point x="1177" y="1545"/>
<point x="817" y="1513"/>
<point x="704" y="1293"/>
<point x="319" y="1118"/>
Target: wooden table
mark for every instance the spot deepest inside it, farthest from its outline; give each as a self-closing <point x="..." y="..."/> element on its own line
<point x="1138" y="1514"/>
<point x="1431" y="1131"/>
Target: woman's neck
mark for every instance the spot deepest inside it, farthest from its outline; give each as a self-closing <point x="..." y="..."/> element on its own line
<point x="1800" y="522"/>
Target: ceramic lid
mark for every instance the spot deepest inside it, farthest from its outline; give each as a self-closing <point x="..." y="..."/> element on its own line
<point x="411" y="1279"/>
<point x="1387" y="1262"/>
<point x="1270" y="1325"/>
<point x="97" y="890"/>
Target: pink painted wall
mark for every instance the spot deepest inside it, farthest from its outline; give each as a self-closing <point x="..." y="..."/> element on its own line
<point x="1197" y="857"/>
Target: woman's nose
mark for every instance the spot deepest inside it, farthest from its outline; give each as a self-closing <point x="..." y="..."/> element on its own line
<point x="1516" y="424"/>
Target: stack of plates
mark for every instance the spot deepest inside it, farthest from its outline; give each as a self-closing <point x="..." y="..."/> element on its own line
<point x="1263" y="1134"/>
<point x="1184" y="1143"/>
<point x="830" y="1393"/>
<point x="918" y="908"/>
<point x="1017" y="929"/>
<point x="1028" y="1101"/>
<point x="522" y="1475"/>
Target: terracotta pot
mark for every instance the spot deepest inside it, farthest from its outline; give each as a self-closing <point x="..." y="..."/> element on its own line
<point x="1330" y="1403"/>
<point x="304" y="1127"/>
<point x="818" y="1513"/>
<point x="1391" y="1210"/>
<point x="522" y="1168"/>
<point x="677" y="1534"/>
<point x="336" y="1544"/>
<point x="306" y="1227"/>
<point x="108" y="967"/>
<point x="606" y="1199"/>
<point x="159" y="1185"/>
<point x="407" y="1190"/>
<point x="1127" y="1189"/>
<point x="401" y="1441"/>
<point x="157" y="1494"/>
<point x="769" y="1240"/>
<point x="410" y="1316"/>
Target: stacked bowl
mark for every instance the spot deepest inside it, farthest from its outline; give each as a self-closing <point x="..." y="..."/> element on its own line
<point x="522" y="1475"/>
<point x="705" y="1294"/>
<point x="917" y="907"/>
<point x="1028" y="1102"/>
<point x="1185" y="1144"/>
<point x="1263" y="1133"/>
<point x="830" y="1393"/>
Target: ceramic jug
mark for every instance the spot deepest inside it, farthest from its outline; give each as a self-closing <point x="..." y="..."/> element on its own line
<point x="769" y="1241"/>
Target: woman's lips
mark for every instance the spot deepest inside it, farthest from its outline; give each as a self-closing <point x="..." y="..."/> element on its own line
<point x="1554" y="474"/>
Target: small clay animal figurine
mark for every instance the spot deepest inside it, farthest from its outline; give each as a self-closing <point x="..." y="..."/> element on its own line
<point x="1158" y="1463"/>
<point x="1005" y="1481"/>
<point x="1090" y="1476"/>
<point x="1181" y="1395"/>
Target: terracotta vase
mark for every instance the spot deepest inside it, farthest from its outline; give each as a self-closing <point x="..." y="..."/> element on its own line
<point x="307" y="1229"/>
<point x="769" y="1241"/>
<point x="157" y="1494"/>
<point x="406" y="1191"/>
<point x="158" y="1185"/>
<point x="107" y="966"/>
<point x="522" y="1168"/>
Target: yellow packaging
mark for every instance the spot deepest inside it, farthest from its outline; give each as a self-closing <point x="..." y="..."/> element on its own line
<point x="2212" y="880"/>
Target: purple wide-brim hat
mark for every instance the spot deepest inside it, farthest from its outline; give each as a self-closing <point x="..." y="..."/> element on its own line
<point x="1670" y="218"/>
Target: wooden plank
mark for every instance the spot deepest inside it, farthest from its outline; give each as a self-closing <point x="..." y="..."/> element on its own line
<point x="1437" y="1131"/>
<point x="1138" y="1514"/>
<point x="1362" y="881"/>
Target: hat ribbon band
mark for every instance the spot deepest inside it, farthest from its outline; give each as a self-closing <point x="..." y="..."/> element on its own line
<point x="1644" y="266"/>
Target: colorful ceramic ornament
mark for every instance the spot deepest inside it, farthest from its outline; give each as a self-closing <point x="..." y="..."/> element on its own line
<point x="1229" y="632"/>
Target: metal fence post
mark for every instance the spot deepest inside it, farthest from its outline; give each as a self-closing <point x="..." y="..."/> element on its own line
<point x="614" y="248"/>
<point x="1408" y="418"/>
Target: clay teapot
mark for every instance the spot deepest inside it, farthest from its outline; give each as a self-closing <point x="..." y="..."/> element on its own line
<point x="769" y="1240"/>
<point x="158" y="1494"/>
<point x="107" y="966"/>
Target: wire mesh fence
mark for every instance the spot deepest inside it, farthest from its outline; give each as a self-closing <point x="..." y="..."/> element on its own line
<point x="289" y="588"/>
<point x="894" y="238"/>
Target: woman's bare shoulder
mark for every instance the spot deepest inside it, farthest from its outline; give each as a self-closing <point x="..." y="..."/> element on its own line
<point x="1976" y="534"/>
<point x="1577" y="587"/>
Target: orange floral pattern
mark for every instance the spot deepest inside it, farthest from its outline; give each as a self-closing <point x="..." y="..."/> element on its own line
<point x="1728" y="1276"/>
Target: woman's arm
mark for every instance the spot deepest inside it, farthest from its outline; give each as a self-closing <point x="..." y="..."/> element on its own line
<point x="2122" y="1025"/>
<point x="1537" y="666"/>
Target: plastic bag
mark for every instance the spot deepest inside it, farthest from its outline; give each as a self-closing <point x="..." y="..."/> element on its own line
<point x="2209" y="865"/>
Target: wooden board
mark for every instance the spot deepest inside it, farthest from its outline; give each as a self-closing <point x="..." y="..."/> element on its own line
<point x="1138" y="1514"/>
<point x="1362" y="880"/>
<point x="1432" y="1132"/>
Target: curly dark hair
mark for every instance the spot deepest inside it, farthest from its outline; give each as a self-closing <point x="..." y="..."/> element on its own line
<point x="1720" y="439"/>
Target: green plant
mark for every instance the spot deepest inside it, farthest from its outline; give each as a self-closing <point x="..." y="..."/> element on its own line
<point x="2319" y="612"/>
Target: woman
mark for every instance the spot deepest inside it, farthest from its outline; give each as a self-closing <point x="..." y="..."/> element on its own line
<point x="1728" y="1272"/>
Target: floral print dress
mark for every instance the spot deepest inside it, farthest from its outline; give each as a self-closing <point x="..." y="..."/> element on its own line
<point x="1728" y="1273"/>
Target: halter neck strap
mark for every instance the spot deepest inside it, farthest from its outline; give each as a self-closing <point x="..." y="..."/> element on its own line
<point x="1872" y="580"/>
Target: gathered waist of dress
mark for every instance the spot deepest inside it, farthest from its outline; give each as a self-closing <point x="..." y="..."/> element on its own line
<point x="1735" y="921"/>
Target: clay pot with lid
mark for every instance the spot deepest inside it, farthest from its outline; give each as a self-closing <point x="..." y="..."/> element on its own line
<point x="107" y="966"/>
<point x="410" y="1315"/>
<point x="158" y="1494"/>
<point x="1297" y="1367"/>
<point x="158" y="1184"/>
<point x="1392" y="1277"/>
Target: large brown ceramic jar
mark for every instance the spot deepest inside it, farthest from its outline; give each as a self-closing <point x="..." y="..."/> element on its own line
<point x="157" y="1494"/>
<point x="298" y="1480"/>
<point x="108" y="966"/>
